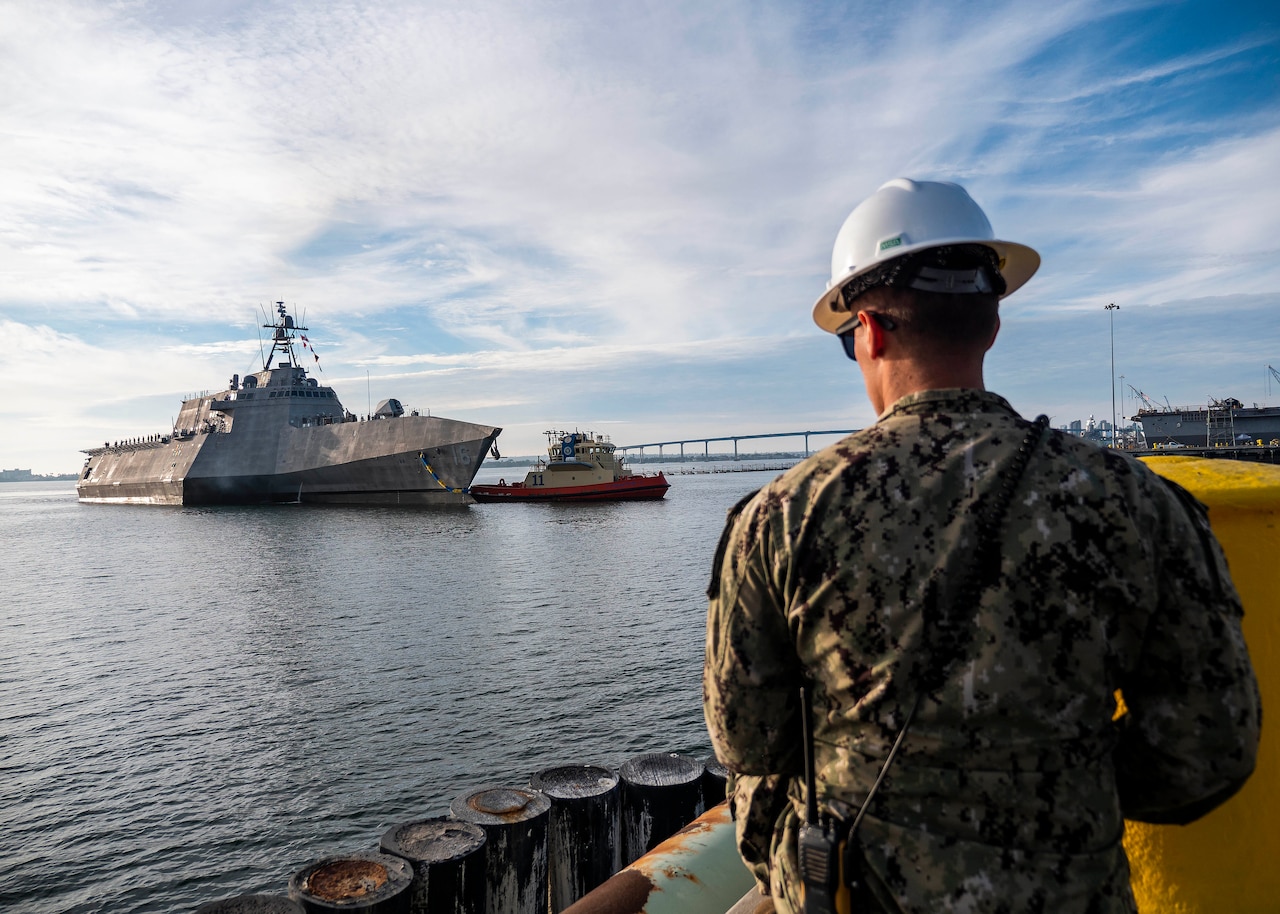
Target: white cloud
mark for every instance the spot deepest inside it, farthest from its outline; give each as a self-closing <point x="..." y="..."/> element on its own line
<point x="622" y="185"/>
<point x="1191" y="223"/>
<point x="187" y="164"/>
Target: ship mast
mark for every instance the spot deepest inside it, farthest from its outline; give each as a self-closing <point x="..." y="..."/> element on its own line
<point x="283" y="331"/>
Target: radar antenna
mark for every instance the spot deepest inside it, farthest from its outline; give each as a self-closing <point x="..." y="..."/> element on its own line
<point x="283" y="333"/>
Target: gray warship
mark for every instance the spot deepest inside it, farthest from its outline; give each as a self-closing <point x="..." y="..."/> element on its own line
<point x="1222" y="423"/>
<point x="280" y="436"/>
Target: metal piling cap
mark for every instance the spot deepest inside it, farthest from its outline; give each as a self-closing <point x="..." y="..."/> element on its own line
<point x="436" y="840"/>
<point x="499" y="806"/>
<point x="661" y="769"/>
<point x="574" y="782"/>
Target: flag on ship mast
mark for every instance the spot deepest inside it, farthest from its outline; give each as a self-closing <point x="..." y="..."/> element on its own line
<point x="306" y="344"/>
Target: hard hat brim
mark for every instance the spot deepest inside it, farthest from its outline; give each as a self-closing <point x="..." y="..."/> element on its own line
<point x="1018" y="263"/>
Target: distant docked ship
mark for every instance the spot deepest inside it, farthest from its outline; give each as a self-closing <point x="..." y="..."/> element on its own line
<point x="1221" y="423"/>
<point x="280" y="436"/>
<point x="580" y="466"/>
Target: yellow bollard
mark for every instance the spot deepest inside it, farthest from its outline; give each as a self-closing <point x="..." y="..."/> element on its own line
<point x="1226" y="862"/>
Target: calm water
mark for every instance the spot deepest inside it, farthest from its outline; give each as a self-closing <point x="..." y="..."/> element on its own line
<point x="197" y="702"/>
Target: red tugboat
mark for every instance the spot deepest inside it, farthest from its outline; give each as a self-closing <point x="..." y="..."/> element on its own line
<point x="580" y="466"/>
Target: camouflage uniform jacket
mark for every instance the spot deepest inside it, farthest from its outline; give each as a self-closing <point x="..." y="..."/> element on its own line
<point x="1010" y="789"/>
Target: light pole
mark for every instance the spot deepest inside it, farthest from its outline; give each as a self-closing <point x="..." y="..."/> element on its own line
<point x="1112" y="309"/>
<point x="1123" y="408"/>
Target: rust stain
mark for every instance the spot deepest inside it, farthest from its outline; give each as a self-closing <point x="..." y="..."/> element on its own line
<point x="682" y="842"/>
<point x="626" y="892"/>
<point x="674" y="872"/>
<point x="344" y="879"/>
<point x="500" y="802"/>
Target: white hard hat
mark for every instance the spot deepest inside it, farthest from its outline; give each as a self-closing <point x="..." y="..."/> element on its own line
<point x="906" y="216"/>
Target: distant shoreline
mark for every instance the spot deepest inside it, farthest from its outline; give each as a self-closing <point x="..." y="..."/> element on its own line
<point x="28" y="476"/>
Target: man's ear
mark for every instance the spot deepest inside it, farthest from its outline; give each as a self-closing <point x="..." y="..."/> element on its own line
<point x="875" y="335"/>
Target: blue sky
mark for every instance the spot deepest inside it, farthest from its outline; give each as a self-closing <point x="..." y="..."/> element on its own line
<point x="613" y="216"/>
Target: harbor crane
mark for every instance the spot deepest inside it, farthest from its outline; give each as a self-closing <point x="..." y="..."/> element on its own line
<point x="1146" y="401"/>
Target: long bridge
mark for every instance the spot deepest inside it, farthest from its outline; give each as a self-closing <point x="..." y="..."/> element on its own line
<point x="1259" y="454"/>
<point x="706" y="442"/>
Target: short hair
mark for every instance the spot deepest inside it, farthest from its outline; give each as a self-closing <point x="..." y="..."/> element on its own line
<point x="935" y="322"/>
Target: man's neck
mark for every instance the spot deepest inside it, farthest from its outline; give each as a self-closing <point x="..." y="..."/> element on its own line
<point x="897" y="378"/>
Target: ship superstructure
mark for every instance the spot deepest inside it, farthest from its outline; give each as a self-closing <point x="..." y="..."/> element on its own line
<point x="279" y="435"/>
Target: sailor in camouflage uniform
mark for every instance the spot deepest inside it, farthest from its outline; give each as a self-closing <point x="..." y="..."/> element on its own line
<point x="1014" y="777"/>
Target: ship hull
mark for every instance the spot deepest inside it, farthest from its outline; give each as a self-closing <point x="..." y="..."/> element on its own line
<point x="631" y="488"/>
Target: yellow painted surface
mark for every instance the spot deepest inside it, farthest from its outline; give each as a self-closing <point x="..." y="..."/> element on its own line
<point x="1229" y="861"/>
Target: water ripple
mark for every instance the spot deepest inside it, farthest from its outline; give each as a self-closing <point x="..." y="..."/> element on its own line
<point x="197" y="702"/>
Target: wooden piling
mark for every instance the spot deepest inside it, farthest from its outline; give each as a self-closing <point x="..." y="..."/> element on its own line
<point x="366" y="883"/>
<point x="715" y="778"/>
<point x="515" y="824"/>
<point x="661" y="793"/>
<point x="448" y="860"/>
<point x="583" y="848"/>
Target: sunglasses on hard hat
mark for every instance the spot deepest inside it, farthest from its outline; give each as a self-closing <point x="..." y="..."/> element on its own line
<point x="846" y="336"/>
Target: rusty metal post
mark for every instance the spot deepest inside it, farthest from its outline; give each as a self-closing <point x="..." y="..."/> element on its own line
<point x="661" y="793"/>
<point x="367" y="883"/>
<point x="515" y="826"/>
<point x="584" y="849"/>
<point x="448" y="859"/>
<point x="251" y="904"/>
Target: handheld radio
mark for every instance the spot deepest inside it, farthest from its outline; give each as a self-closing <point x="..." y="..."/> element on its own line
<point x="819" y="842"/>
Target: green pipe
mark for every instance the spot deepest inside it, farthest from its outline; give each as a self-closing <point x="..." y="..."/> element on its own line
<point x="695" y="871"/>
